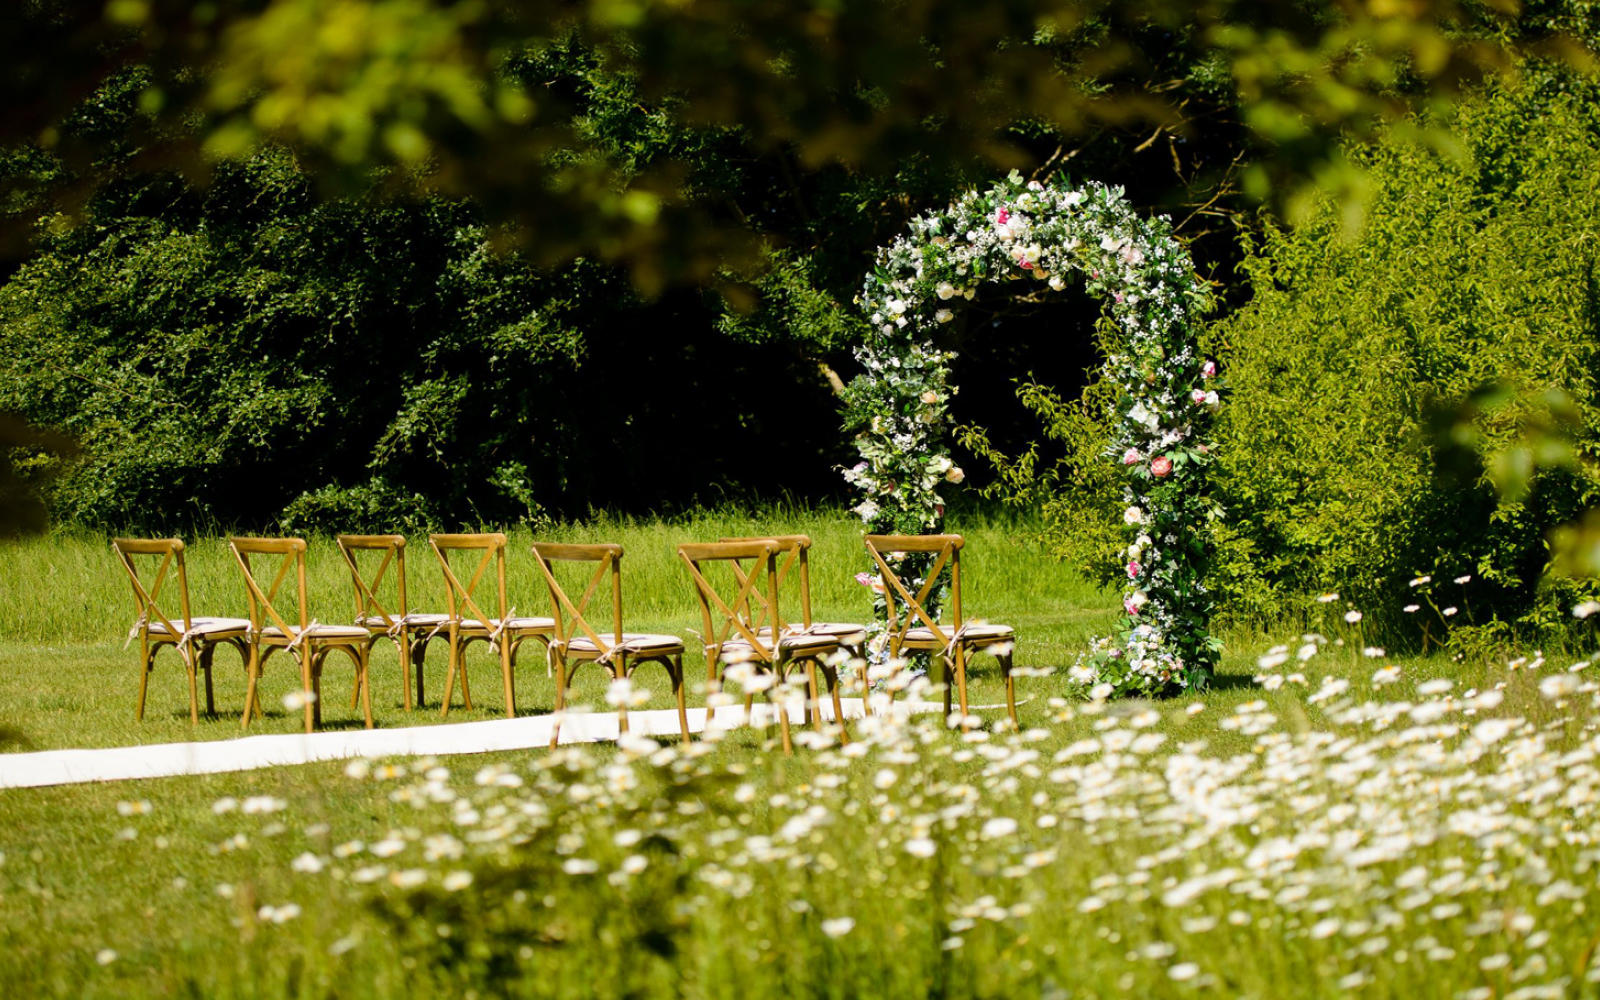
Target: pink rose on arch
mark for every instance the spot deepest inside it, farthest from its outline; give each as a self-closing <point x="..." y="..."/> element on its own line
<point x="1131" y="456"/>
<point x="1198" y="397"/>
<point x="1133" y="571"/>
<point x="1131" y="608"/>
<point x="1002" y="217"/>
<point x="1209" y="370"/>
<point x="1161" y="466"/>
<point x="1027" y="265"/>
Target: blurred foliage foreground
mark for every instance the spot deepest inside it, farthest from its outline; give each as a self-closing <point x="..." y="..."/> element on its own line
<point x="436" y="89"/>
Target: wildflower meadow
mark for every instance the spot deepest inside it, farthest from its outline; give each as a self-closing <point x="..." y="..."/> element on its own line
<point x="860" y="500"/>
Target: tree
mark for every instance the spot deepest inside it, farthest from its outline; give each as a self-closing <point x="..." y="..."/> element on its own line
<point x="762" y="148"/>
<point x="434" y="88"/>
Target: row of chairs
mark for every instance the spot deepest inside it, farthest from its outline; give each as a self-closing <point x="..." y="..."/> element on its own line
<point x="739" y="584"/>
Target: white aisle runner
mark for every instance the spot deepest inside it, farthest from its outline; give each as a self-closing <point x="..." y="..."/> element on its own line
<point x="65" y="767"/>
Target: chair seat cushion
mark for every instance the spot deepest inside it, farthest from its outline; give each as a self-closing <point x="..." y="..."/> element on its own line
<point x="817" y="638"/>
<point x="414" y="621"/>
<point x="318" y="631"/>
<point x="817" y="633"/>
<point x="513" y="625"/>
<point x="973" y="633"/>
<point x="205" y="626"/>
<point x="847" y="633"/>
<point x="633" y="642"/>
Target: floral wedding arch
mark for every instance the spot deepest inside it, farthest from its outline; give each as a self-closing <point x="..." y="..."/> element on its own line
<point x="1029" y="233"/>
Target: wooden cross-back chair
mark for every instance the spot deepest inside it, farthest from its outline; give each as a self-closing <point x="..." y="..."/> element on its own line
<point x="157" y="628"/>
<point x="794" y="567"/>
<point x="731" y="636"/>
<point x="466" y="619"/>
<point x="919" y="631"/>
<point x="308" y="642"/>
<point x="386" y="616"/>
<point x="577" y="642"/>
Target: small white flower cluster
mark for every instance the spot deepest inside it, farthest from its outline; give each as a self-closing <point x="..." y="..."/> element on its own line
<point x="1408" y="826"/>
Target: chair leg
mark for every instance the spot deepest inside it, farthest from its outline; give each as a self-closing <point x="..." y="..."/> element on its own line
<point x="405" y="668"/>
<point x="783" y="721"/>
<point x="206" y="656"/>
<point x="775" y="696"/>
<point x="683" y="709"/>
<point x="946" y="669"/>
<point x="186" y="653"/>
<point x="961" y="681"/>
<point x="831" y="674"/>
<point x="619" y="671"/>
<point x="561" y="696"/>
<point x="813" y="698"/>
<point x="311" y="680"/>
<point x="1011" y="686"/>
<point x="859" y="654"/>
<point x="461" y="665"/>
<point x="145" y="665"/>
<point x="505" y="672"/>
<point x="364" y="660"/>
<point x="419" y="652"/>
<point x="253" y="670"/>
<point x="453" y="658"/>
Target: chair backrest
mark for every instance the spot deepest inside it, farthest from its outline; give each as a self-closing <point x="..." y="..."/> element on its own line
<point x="570" y="618"/>
<point x="795" y="564"/>
<point x="461" y="589"/>
<point x="942" y="550"/>
<point x="169" y="552"/>
<point x="291" y="555"/>
<point x="733" y="619"/>
<point x="368" y="588"/>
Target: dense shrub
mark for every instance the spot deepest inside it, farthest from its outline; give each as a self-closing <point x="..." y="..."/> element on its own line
<point x="253" y="355"/>
<point x="1476" y="266"/>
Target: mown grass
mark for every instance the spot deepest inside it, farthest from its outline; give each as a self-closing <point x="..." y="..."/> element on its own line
<point x="1060" y="860"/>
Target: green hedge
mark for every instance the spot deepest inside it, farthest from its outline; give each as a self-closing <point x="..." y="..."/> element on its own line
<point x="1475" y="266"/>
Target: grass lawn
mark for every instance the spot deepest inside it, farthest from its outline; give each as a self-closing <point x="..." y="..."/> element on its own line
<point x="1354" y="826"/>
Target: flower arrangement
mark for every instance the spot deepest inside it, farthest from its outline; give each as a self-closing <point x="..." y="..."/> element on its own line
<point x="898" y="408"/>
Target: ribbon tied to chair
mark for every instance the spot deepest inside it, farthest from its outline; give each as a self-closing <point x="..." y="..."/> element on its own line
<point x="955" y="640"/>
<point x="133" y="631"/>
<point x="301" y="637"/>
<point x="500" y="629"/>
<point x="185" y="637"/>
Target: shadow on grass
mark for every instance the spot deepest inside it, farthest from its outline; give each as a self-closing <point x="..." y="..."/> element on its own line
<point x="1232" y="682"/>
<point x="15" y="741"/>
